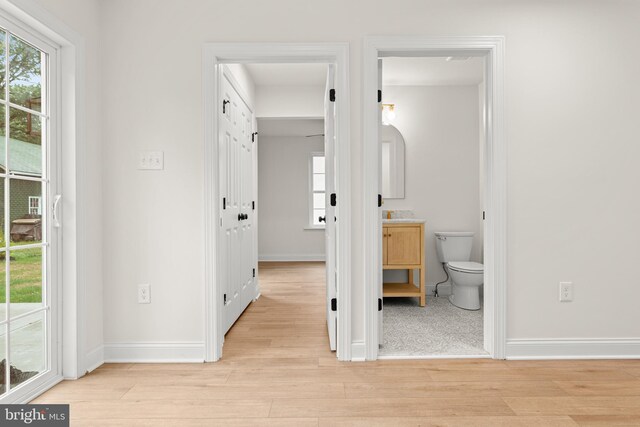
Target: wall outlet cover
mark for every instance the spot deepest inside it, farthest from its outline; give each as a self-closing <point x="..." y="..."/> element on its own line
<point x="566" y="291"/>
<point x="151" y="160"/>
<point x="144" y="294"/>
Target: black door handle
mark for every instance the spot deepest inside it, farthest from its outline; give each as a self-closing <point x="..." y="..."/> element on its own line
<point x="240" y="217"/>
<point x="322" y="219"/>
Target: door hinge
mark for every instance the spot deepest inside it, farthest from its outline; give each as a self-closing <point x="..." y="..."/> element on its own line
<point x="334" y="200"/>
<point x="334" y="304"/>
<point x="253" y="136"/>
<point x="224" y="203"/>
<point x="254" y="272"/>
<point x="224" y="105"/>
<point x="332" y="95"/>
<point x="483" y="215"/>
<point x="253" y="205"/>
<point x="224" y="299"/>
<point x="379" y="304"/>
<point x="379" y="200"/>
<point x="379" y="95"/>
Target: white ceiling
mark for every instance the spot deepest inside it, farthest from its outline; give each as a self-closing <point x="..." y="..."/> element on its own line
<point x="290" y="127"/>
<point x="288" y="74"/>
<point x="431" y="71"/>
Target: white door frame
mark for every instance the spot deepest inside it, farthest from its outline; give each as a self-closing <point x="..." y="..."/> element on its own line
<point x="221" y="53"/>
<point x="495" y="247"/>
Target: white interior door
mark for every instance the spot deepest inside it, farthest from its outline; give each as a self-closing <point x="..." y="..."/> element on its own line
<point x="330" y="211"/>
<point x="381" y="278"/>
<point x="29" y="211"/>
<point x="237" y="172"/>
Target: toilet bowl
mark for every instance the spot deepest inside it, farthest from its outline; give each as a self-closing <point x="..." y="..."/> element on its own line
<point x="466" y="279"/>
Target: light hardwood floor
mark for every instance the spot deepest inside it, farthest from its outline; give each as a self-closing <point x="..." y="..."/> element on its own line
<point x="277" y="371"/>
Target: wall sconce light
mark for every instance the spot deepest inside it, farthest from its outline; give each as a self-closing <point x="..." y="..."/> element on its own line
<point x="388" y="113"/>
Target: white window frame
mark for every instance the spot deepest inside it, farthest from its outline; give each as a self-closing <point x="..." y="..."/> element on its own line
<point x="70" y="131"/>
<point x="312" y="192"/>
<point x="38" y="205"/>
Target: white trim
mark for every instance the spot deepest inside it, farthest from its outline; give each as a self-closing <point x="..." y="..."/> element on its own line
<point x="495" y="250"/>
<point x="219" y="53"/>
<point x="27" y="394"/>
<point x="154" y="352"/>
<point x="291" y="257"/>
<point x="358" y="351"/>
<point x="574" y="348"/>
<point x="95" y="358"/>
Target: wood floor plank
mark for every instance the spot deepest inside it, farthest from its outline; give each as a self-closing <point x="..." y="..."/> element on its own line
<point x="389" y="407"/>
<point x="476" y="421"/>
<point x="469" y="389"/>
<point x="236" y="391"/>
<point x="277" y="370"/>
<point x="584" y="405"/>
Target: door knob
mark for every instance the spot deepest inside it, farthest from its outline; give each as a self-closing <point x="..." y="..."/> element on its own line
<point x="322" y="219"/>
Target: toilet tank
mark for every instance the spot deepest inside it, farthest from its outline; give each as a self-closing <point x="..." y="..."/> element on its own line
<point x="454" y="245"/>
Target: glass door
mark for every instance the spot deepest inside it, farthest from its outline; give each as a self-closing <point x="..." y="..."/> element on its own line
<point x="27" y="233"/>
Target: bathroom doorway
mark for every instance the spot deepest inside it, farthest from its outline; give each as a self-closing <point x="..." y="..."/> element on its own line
<point x="436" y="235"/>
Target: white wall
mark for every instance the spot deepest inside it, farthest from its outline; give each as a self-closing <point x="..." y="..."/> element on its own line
<point x="289" y="101"/>
<point x="283" y="199"/>
<point x="572" y="97"/>
<point x="440" y="129"/>
<point x="83" y="17"/>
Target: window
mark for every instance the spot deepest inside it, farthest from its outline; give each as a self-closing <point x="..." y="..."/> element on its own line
<point x="316" y="193"/>
<point x="34" y="205"/>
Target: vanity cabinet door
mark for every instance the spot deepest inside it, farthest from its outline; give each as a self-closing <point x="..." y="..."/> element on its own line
<point x="403" y="246"/>
<point x="385" y="232"/>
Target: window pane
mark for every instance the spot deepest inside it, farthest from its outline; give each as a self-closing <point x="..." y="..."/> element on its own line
<point x="3" y="356"/>
<point x="25" y="280"/>
<point x="27" y="348"/>
<point x="26" y="212"/>
<point x="3" y="59"/>
<point x="317" y="213"/>
<point x="25" y="74"/>
<point x="318" y="200"/>
<point x="318" y="182"/>
<point x="3" y="139"/>
<point x="25" y="143"/>
<point x="318" y="164"/>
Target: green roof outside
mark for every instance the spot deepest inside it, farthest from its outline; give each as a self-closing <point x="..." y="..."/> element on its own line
<point x="25" y="157"/>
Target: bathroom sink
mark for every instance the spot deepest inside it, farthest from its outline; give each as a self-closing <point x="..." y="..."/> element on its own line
<point x="401" y="220"/>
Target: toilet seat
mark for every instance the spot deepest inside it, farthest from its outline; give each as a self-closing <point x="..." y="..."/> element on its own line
<point x="466" y="267"/>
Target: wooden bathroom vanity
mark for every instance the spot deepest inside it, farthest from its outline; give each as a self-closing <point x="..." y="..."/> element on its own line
<point x="403" y="249"/>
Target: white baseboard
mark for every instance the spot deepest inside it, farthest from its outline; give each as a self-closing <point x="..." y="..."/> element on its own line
<point x="358" y="351"/>
<point x="95" y="358"/>
<point x="291" y="257"/>
<point x="161" y="352"/>
<point x="606" y="348"/>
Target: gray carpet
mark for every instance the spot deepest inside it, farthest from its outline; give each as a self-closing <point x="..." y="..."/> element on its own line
<point x="439" y="328"/>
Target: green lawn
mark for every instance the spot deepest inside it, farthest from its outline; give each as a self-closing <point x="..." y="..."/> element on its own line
<point x="26" y="276"/>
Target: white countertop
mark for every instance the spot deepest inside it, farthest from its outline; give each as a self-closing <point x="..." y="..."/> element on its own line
<point x="403" y="220"/>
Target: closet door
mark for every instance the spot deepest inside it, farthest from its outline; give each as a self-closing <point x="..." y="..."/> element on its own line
<point x="237" y="167"/>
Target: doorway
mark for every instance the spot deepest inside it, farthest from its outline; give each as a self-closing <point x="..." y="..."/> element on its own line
<point x="30" y="245"/>
<point x="216" y="56"/>
<point x="494" y="180"/>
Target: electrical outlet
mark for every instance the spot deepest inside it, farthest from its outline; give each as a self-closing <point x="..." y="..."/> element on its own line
<point x="566" y="291"/>
<point x="144" y="294"/>
<point x="151" y="160"/>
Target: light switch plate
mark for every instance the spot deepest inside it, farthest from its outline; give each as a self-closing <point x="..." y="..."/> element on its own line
<point x="151" y="160"/>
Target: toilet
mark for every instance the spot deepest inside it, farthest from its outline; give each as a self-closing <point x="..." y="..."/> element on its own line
<point x="454" y="251"/>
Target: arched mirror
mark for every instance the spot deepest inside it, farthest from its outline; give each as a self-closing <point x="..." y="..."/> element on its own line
<point x="392" y="146"/>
